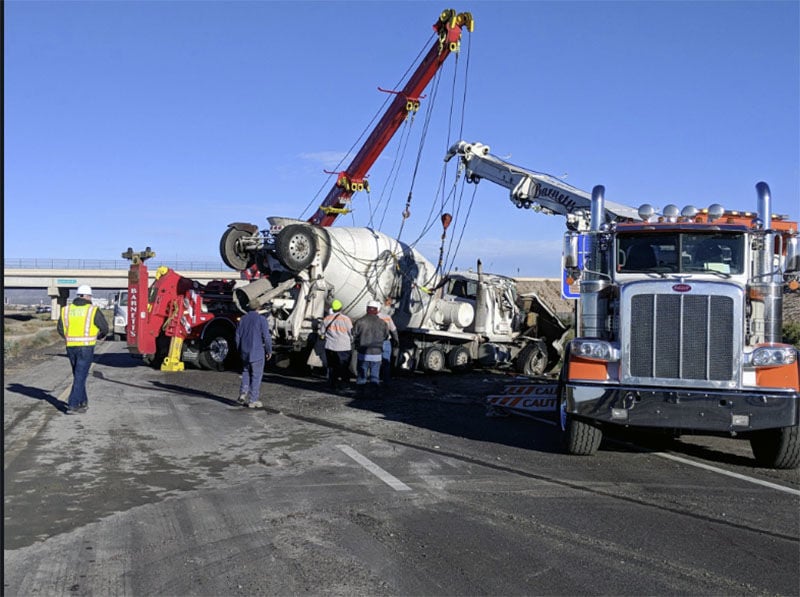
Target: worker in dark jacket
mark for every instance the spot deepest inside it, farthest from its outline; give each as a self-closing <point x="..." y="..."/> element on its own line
<point x="254" y="343"/>
<point x="369" y="333"/>
<point x="81" y="324"/>
<point x="388" y="345"/>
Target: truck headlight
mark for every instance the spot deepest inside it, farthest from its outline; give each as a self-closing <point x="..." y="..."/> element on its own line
<point x="598" y="350"/>
<point x="772" y="356"/>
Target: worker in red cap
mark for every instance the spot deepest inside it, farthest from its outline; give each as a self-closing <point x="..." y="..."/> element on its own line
<point x="337" y="328"/>
<point x="81" y="324"/>
<point x="369" y="332"/>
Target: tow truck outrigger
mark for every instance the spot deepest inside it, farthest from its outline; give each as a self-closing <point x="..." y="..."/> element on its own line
<point x="680" y="315"/>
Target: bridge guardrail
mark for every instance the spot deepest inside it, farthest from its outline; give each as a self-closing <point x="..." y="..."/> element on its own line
<point x="49" y="263"/>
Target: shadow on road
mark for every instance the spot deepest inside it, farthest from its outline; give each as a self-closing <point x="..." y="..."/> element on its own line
<point x="450" y="404"/>
<point x="37" y="394"/>
<point x="185" y="391"/>
<point x="118" y="360"/>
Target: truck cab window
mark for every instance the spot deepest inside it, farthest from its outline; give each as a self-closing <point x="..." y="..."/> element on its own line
<point x="652" y="253"/>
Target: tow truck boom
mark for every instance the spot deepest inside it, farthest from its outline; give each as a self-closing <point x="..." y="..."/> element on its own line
<point x="448" y="30"/>
<point x="533" y="190"/>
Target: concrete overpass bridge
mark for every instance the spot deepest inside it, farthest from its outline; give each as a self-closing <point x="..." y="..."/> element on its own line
<point x="61" y="277"/>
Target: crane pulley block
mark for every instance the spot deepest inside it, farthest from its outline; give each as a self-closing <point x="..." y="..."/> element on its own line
<point x="352" y="185"/>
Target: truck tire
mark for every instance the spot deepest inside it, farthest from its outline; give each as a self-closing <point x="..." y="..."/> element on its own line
<point x="458" y="359"/>
<point x="217" y="350"/>
<point x="777" y="448"/>
<point x="433" y="359"/>
<point x="532" y="359"/>
<point x="580" y="438"/>
<point x="296" y="247"/>
<point x="162" y="350"/>
<point x="232" y="257"/>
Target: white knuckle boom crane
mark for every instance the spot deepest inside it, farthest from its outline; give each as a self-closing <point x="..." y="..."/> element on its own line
<point x="679" y="324"/>
<point x="532" y="190"/>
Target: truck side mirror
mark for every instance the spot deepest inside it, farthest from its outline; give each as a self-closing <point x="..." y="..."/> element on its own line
<point x="792" y="263"/>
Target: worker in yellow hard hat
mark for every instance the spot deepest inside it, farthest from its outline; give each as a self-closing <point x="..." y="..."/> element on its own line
<point x="337" y="328"/>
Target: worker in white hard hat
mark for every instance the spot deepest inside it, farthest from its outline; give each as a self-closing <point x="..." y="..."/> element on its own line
<point x="369" y="332"/>
<point x="337" y="328"/>
<point x="81" y="324"/>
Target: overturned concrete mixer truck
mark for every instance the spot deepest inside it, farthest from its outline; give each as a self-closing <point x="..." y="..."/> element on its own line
<point x="445" y="321"/>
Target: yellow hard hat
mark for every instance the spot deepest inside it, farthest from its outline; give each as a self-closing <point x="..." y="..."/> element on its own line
<point x="336" y="305"/>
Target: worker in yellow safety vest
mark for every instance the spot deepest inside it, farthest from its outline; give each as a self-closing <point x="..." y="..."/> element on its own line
<point x="81" y="324"/>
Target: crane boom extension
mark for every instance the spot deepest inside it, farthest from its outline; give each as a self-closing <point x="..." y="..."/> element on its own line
<point x="529" y="189"/>
<point x="448" y="29"/>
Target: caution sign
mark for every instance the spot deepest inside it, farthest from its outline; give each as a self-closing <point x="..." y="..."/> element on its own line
<point x="525" y="398"/>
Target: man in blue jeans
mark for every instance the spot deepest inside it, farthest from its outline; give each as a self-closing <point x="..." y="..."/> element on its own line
<point x="369" y="332"/>
<point x="255" y="347"/>
<point x="81" y="324"/>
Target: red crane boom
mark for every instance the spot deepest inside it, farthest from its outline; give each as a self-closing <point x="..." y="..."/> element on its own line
<point x="351" y="180"/>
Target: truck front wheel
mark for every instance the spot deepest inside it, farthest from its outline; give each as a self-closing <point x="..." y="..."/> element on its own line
<point x="579" y="438"/>
<point x="777" y="448"/>
<point x="231" y="252"/>
<point x="532" y="360"/>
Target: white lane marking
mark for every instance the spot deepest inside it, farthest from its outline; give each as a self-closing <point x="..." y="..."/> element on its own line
<point x="722" y="471"/>
<point x="391" y="481"/>
<point x="708" y="467"/>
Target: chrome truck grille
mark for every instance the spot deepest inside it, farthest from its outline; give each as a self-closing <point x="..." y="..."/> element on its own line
<point x="682" y="334"/>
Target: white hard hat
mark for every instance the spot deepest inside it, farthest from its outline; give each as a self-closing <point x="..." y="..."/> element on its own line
<point x="373" y="305"/>
<point x="85" y="289"/>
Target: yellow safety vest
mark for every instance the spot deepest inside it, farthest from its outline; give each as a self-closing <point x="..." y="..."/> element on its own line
<point x="79" y="327"/>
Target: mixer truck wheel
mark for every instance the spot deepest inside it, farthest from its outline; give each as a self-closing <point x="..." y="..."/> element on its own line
<point x="532" y="360"/>
<point x="458" y="359"/>
<point x="233" y="258"/>
<point x="433" y="359"/>
<point x="296" y="247"/>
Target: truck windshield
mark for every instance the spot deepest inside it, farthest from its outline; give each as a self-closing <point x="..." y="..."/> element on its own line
<point x="681" y="252"/>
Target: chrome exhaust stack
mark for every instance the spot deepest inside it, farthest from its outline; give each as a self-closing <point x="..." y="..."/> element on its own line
<point x="594" y="302"/>
<point x="764" y="287"/>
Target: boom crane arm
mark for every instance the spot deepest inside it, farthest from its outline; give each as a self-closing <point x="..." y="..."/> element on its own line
<point x="535" y="190"/>
<point x="448" y="29"/>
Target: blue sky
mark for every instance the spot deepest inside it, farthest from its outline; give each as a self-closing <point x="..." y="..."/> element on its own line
<point x="158" y="123"/>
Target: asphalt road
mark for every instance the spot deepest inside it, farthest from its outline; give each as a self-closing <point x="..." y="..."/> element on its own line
<point x="167" y="487"/>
